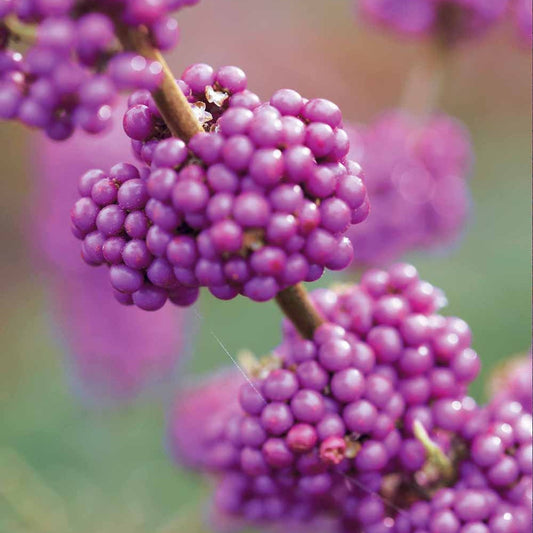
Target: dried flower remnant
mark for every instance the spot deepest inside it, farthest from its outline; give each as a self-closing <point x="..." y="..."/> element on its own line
<point x="448" y="21"/>
<point x="331" y="431"/>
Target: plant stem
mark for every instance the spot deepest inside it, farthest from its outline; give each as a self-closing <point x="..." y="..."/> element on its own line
<point x="171" y="102"/>
<point x="296" y="304"/>
<point x="177" y="113"/>
<point x="435" y="456"/>
<point x="424" y="82"/>
<point x="26" y="33"/>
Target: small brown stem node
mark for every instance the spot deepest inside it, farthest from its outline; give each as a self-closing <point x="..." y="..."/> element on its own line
<point x="26" y="33"/>
<point x="171" y="102"/>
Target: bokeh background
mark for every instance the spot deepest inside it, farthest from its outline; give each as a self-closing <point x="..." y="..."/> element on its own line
<point x="70" y="464"/>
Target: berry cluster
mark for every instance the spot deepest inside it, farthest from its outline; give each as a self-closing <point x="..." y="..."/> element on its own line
<point x="415" y="175"/>
<point x="210" y="92"/>
<point x="258" y="202"/>
<point x="334" y="420"/>
<point x="500" y="448"/>
<point x="112" y="221"/>
<point x="140" y="349"/>
<point x="492" y="492"/>
<point x="450" y="20"/>
<point x="70" y="75"/>
<point x="513" y="382"/>
<point x="290" y="449"/>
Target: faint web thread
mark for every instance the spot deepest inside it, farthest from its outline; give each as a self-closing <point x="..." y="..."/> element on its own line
<point x="233" y="360"/>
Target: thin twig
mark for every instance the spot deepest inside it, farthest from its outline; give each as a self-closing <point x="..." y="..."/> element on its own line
<point x="171" y="102"/>
<point x="26" y="33"/>
<point x="297" y="306"/>
<point x="182" y="122"/>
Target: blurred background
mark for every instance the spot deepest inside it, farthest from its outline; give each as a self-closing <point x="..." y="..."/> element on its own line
<point x="69" y="462"/>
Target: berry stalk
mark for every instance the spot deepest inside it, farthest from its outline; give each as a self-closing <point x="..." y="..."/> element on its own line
<point x="169" y="98"/>
<point x="25" y="33"/>
<point x="424" y="82"/>
<point x="177" y="113"/>
<point x="295" y="303"/>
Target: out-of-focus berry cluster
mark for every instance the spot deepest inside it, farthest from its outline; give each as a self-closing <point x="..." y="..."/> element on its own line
<point x="210" y="92"/>
<point x="449" y="20"/>
<point x="75" y="65"/>
<point x="416" y="178"/>
<point x="349" y="427"/>
<point x="258" y="202"/>
<point x="522" y="15"/>
<point x="111" y="352"/>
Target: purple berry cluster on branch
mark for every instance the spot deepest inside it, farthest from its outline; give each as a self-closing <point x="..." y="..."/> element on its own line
<point x="209" y="93"/>
<point x="256" y="203"/>
<point x="75" y="64"/>
<point x="512" y="381"/>
<point x="363" y="420"/>
<point x="416" y="176"/>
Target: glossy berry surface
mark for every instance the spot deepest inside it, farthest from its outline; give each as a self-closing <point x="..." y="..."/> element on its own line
<point x="258" y="202"/>
<point x="112" y="353"/>
<point x="112" y="222"/>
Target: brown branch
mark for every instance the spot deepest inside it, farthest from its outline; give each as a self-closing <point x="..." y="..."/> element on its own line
<point x="422" y="89"/>
<point x="295" y="303"/>
<point x="181" y="121"/>
<point x="171" y="102"/>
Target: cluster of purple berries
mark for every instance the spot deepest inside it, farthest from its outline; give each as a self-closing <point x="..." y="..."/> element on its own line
<point x="258" y="202"/>
<point x="112" y="219"/>
<point x="70" y="74"/>
<point x="113" y="353"/>
<point x="292" y="451"/>
<point x="500" y="449"/>
<point x="327" y="427"/>
<point x="416" y="178"/>
<point x="449" y="20"/>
